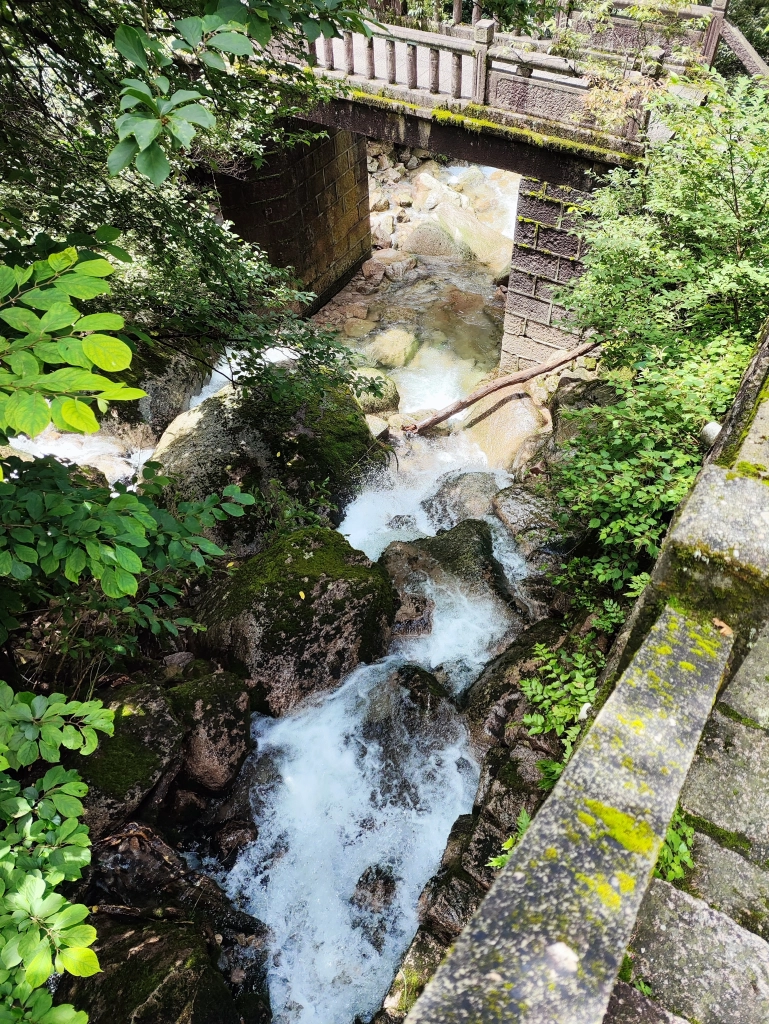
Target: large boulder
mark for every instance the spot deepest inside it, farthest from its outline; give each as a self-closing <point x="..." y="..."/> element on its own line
<point x="172" y="948"/>
<point x="170" y="378"/>
<point x="250" y="440"/>
<point x="387" y="401"/>
<point x="489" y="246"/>
<point x="300" y="616"/>
<point x="577" y="388"/>
<point x="427" y="238"/>
<point x="502" y="425"/>
<point x="395" y="347"/>
<point x="461" y="496"/>
<point x="531" y="519"/>
<point x="216" y="711"/>
<point x="126" y="767"/>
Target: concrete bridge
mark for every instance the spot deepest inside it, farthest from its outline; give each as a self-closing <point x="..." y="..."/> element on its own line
<point x="468" y="92"/>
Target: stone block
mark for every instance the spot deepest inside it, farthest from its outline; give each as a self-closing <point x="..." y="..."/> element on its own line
<point x="728" y="784"/>
<point x="567" y="269"/>
<point x="544" y="291"/>
<point x="730" y="883"/>
<point x="717" y="554"/>
<point x="519" y="282"/>
<point x="748" y="692"/>
<point x="532" y="262"/>
<point x="552" y="336"/>
<point x="700" y="964"/>
<point x="525" y="233"/>
<point x="552" y="932"/>
<point x="525" y="351"/>
<point x="557" y="242"/>
<point x="532" y="309"/>
<point x="543" y="211"/>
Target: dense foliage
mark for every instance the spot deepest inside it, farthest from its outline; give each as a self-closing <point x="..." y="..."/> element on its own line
<point x="675" y="288"/>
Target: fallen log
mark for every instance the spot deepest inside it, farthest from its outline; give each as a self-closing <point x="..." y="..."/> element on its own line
<point x="501" y="382"/>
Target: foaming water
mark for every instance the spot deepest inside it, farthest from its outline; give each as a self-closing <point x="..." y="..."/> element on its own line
<point x="117" y="461"/>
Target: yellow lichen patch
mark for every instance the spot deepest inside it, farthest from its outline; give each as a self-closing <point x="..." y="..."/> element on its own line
<point x="686" y="666"/>
<point x="663" y="649"/>
<point x="636" y="724"/>
<point x="603" y="890"/>
<point x="626" y="882"/>
<point x="627" y="762"/>
<point x="551" y="853"/>
<point x="635" y="835"/>
<point x="586" y="819"/>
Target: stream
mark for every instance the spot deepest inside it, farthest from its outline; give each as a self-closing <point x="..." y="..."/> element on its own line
<point x="353" y="804"/>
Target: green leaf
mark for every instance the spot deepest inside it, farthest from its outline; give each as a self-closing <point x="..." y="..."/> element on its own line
<point x="80" y="935"/>
<point x="125" y="581"/>
<point x="24" y="364"/>
<point x="107" y="352"/>
<point x="5" y="563"/>
<point x="70" y="916"/>
<point x="79" y="416"/>
<point x="78" y="961"/>
<point x="40" y="968"/>
<point x="128" y="559"/>
<point x="21" y="320"/>
<point x="100" y="322"/>
<point x="129" y="44"/>
<point x="69" y="806"/>
<point x="232" y="42"/>
<point x="75" y="564"/>
<point x="121" y="156"/>
<point x="60" y="314"/>
<point x="60" y="261"/>
<point x="27" y="413"/>
<point x="7" y="281"/>
<point x="146" y="130"/>
<point x="213" y="60"/>
<point x="153" y="163"/>
<point x="191" y="29"/>
<point x="95" y="268"/>
<point x="195" y="113"/>
<point x="81" y="286"/>
<point x="106" y="233"/>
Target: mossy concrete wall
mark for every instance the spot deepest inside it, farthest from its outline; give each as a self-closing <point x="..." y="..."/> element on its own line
<point x="307" y="207"/>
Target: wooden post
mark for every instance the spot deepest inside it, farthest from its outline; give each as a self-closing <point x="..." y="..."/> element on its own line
<point x="349" y="55"/>
<point x="390" y="47"/>
<point x="328" y="54"/>
<point x="370" y="72"/>
<point x="435" y="56"/>
<point x="456" y="75"/>
<point x="411" y="65"/>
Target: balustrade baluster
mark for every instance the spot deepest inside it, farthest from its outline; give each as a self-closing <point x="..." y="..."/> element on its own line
<point x="370" y="72"/>
<point x="456" y="75"/>
<point x="349" y="55"/>
<point x="457" y="18"/>
<point x="435" y="56"/>
<point x="390" y="44"/>
<point x="476" y="11"/>
<point x="328" y="54"/>
<point x="411" y="65"/>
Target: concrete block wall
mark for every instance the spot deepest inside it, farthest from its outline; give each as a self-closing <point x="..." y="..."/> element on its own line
<point x="545" y="255"/>
<point x="308" y="209"/>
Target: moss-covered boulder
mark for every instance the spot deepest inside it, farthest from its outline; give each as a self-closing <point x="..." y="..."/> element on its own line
<point x="125" y="768"/>
<point x="301" y="441"/>
<point x="387" y="401"/>
<point x="171" y="377"/>
<point x="172" y="948"/>
<point x="216" y="710"/>
<point x="300" y="616"/>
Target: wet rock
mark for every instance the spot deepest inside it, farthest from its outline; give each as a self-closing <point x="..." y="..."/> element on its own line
<point x="300" y="616"/>
<point x="250" y="441"/>
<point x="374" y="893"/>
<point x="378" y="202"/>
<point x="168" y="938"/>
<point x="170" y="380"/>
<point x="629" y="1006"/>
<point x="379" y="428"/>
<point x="419" y="964"/>
<point x="531" y="520"/>
<point x="488" y="246"/>
<point x="395" y="347"/>
<point x="461" y="496"/>
<point x="123" y="771"/>
<point x="501" y="424"/>
<point x="373" y="271"/>
<point x="232" y="837"/>
<point x="485" y="719"/>
<point x="389" y="397"/>
<point x="446" y="905"/>
<point x="429" y="239"/>
<point x="358" y="328"/>
<point x="216" y="709"/>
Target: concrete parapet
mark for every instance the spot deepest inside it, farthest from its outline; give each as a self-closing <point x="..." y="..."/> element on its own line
<point x="548" y="941"/>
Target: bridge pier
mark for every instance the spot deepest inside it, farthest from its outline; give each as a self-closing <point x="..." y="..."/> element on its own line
<point x="307" y="207"/>
<point x="545" y="257"/>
